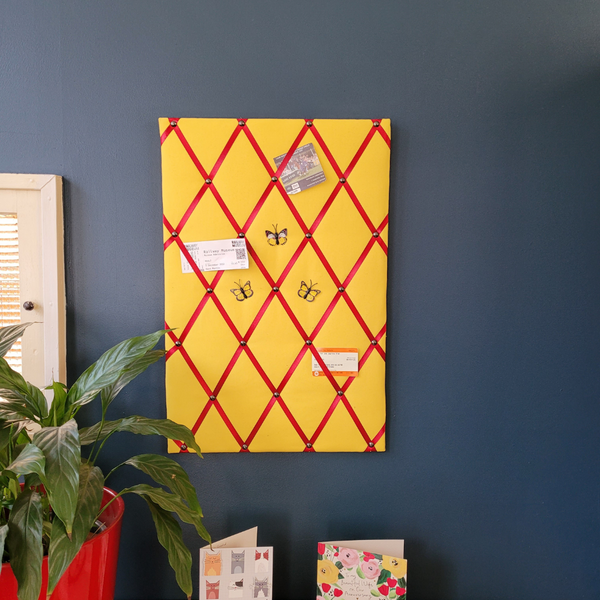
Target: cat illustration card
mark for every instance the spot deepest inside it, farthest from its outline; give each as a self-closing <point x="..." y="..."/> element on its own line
<point x="240" y="573"/>
<point x="353" y="572"/>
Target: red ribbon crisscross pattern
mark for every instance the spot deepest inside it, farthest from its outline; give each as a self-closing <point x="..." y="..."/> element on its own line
<point x="277" y="388"/>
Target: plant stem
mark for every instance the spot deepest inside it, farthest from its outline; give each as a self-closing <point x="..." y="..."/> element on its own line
<point x="108" y="503"/>
<point x="112" y="471"/>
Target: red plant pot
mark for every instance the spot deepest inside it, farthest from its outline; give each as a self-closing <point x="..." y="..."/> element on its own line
<point x="92" y="573"/>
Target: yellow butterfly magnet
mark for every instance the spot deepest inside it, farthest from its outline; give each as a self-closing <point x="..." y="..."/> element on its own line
<point x="242" y="292"/>
<point x="307" y="292"/>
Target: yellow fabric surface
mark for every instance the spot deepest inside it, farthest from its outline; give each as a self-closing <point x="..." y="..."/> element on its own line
<point x="261" y="404"/>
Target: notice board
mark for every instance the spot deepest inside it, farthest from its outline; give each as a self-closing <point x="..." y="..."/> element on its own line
<point x="275" y="249"/>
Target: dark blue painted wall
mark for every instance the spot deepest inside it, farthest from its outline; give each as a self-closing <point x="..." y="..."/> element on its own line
<point x="494" y="298"/>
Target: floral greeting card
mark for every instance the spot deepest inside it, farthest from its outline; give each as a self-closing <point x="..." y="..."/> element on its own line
<point x="350" y="573"/>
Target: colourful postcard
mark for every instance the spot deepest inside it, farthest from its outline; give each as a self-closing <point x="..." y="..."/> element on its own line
<point x="236" y="572"/>
<point x="303" y="170"/>
<point x="351" y="571"/>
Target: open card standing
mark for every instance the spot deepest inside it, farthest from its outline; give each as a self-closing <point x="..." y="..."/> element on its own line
<point x="236" y="568"/>
<point x="361" y="570"/>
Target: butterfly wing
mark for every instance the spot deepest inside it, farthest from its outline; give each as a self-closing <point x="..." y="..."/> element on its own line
<point x="271" y="237"/>
<point x="283" y="236"/>
<point x="238" y="293"/>
<point x="247" y="290"/>
<point x="312" y="294"/>
<point x="304" y="289"/>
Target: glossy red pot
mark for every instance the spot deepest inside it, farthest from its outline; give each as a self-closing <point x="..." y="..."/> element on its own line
<point x="92" y="574"/>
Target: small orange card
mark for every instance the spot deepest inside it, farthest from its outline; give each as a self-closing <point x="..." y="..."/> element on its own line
<point x="341" y="362"/>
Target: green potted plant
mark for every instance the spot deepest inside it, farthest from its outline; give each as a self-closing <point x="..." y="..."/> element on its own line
<point x="51" y="491"/>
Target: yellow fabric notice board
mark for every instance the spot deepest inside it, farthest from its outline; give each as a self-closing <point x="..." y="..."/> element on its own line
<point x="249" y="365"/>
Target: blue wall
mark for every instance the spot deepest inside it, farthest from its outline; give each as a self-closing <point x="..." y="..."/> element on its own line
<point x="494" y="298"/>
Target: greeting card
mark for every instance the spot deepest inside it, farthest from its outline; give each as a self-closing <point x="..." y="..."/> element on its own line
<point x="236" y="568"/>
<point x="356" y="571"/>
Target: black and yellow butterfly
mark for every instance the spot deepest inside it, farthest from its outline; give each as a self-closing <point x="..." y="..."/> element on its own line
<point x="242" y="291"/>
<point x="307" y="292"/>
<point x="277" y="238"/>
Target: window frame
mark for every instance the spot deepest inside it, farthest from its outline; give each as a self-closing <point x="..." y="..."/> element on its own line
<point x="49" y="195"/>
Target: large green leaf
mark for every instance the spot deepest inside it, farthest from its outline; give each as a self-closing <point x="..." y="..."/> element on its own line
<point x="13" y="411"/>
<point x="99" y="431"/>
<point x="26" y="396"/>
<point x="5" y="433"/>
<point x="3" y="533"/>
<point x="24" y="542"/>
<point x="56" y="415"/>
<point x="62" y="451"/>
<point x="129" y="374"/>
<point x="166" y="471"/>
<point x="9" y="335"/>
<point x="107" y="370"/>
<point x="62" y="549"/>
<point x="171" y="503"/>
<point x="30" y="460"/>
<point x="170" y="538"/>
<point x="141" y="426"/>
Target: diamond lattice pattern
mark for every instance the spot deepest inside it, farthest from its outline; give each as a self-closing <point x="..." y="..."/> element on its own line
<point x="239" y="373"/>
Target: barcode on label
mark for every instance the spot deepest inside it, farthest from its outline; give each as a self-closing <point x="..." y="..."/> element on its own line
<point x="240" y="253"/>
<point x="238" y="243"/>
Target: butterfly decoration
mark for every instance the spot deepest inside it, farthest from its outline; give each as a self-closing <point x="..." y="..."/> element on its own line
<point x="242" y="292"/>
<point x="306" y="292"/>
<point x="277" y="238"/>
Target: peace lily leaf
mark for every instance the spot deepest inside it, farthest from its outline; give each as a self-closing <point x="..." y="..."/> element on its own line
<point x="171" y="503"/>
<point x="170" y="538"/>
<point x="32" y="480"/>
<point x="166" y="471"/>
<point x="24" y="542"/>
<point x="141" y="426"/>
<point x="9" y="335"/>
<point x="5" y="434"/>
<point x="88" y="435"/>
<point x="14" y="411"/>
<point x="62" y="549"/>
<point x="107" y="370"/>
<point x="3" y="533"/>
<point x="30" y="460"/>
<point x="14" y="387"/>
<point x="129" y="374"/>
<point x="61" y="448"/>
<point x="56" y="415"/>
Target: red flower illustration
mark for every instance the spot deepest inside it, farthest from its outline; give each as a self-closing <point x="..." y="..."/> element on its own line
<point x="368" y="556"/>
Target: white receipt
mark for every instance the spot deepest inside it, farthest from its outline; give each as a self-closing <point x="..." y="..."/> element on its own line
<point x="216" y="255"/>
